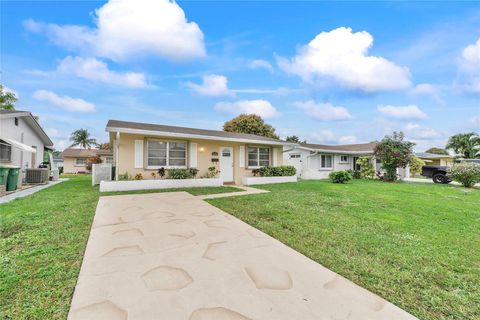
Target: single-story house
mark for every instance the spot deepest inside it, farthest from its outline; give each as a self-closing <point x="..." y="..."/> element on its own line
<point x="57" y="161"/>
<point x="75" y="159"/>
<point x="432" y="159"/>
<point x="22" y="140"/>
<point x="145" y="148"/>
<point x="316" y="161"/>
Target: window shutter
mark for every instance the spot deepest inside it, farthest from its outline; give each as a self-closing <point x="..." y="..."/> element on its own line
<point x="274" y="157"/>
<point x="193" y="155"/>
<point x="241" y="157"/>
<point x="138" y="154"/>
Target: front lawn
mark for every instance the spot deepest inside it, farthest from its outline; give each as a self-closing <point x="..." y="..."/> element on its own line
<point x="42" y="240"/>
<point x="416" y="245"/>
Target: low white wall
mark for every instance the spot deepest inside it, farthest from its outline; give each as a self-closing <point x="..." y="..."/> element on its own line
<point x="315" y="174"/>
<point x="248" y="181"/>
<point x="109" y="186"/>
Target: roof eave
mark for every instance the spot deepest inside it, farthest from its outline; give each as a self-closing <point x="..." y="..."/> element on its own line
<point x="191" y="136"/>
<point x="336" y="151"/>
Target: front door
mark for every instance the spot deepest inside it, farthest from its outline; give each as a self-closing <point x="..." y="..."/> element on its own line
<point x="295" y="159"/>
<point x="226" y="164"/>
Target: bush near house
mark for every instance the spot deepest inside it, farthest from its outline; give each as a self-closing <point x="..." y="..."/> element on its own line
<point x="340" y="176"/>
<point x="92" y="160"/>
<point x="466" y="173"/>
<point x="279" y="171"/>
<point x="394" y="152"/>
<point x="367" y="171"/>
<point x="416" y="165"/>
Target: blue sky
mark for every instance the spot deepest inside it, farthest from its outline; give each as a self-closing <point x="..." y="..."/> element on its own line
<point x="328" y="72"/>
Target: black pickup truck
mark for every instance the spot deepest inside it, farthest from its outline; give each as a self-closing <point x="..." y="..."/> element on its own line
<point x="437" y="173"/>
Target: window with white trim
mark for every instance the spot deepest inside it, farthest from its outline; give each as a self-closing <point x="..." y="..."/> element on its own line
<point x="326" y="161"/>
<point x="344" y="159"/>
<point x="80" y="161"/>
<point x="109" y="160"/>
<point x="166" y="154"/>
<point x="5" y="152"/>
<point x="258" y="156"/>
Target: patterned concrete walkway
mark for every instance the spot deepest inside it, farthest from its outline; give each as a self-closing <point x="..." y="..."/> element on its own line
<point x="246" y="191"/>
<point x="173" y="256"/>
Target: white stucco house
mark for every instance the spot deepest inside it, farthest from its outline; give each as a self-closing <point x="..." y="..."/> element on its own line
<point x="316" y="161"/>
<point x="22" y="139"/>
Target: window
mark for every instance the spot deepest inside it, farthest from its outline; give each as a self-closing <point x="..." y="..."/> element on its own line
<point x="344" y="159"/>
<point x="326" y="161"/>
<point x="294" y="156"/>
<point x="258" y="157"/>
<point x="166" y="154"/>
<point x="80" y="161"/>
<point x="5" y="152"/>
<point x="108" y="160"/>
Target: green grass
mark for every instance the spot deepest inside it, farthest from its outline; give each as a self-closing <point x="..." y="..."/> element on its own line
<point x="42" y="240"/>
<point x="416" y="245"/>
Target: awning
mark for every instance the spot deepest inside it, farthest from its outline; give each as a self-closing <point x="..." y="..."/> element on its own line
<point x="19" y="145"/>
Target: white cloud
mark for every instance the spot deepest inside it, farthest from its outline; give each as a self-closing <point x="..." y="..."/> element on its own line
<point x="342" y="55"/>
<point x="126" y="28"/>
<point x="260" y="64"/>
<point x="429" y="90"/>
<point x="96" y="70"/>
<point x="52" y="132"/>
<point x="213" y="85"/>
<point x="65" y="102"/>
<point x="418" y="132"/>
<point x="323" y="111"/>
<point x="260" y="107"/>
<point x="470" y="66"/>
<point x="402" y="112"/>
<point x="348" y="140"/>
<point x="7" y="89"/>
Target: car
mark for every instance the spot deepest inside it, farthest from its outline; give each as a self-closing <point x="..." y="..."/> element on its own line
<point x="437" y="173"/>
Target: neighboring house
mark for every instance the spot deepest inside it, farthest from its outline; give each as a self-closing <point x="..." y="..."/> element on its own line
<point x="316" y="161"/>
<point x="75" y="159"/>
<point x="432" y="159"/>
<point x="145" y="148"/>
<point x="22" y="139"/>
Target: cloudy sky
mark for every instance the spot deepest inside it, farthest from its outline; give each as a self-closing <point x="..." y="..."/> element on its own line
<point x="327" y="72"/>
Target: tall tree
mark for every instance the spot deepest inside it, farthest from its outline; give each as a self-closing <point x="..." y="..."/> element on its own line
<point x="252" y="124"/>
<point x="81" y="137"/>
<point x="294" y="139"/>
<point x="7" y="99"/>
<point x="464" y="144"/>
<point x="437" y="151"/>
<point x="394" y="152"/>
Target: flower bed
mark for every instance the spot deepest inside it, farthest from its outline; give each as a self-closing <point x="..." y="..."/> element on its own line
<point x="129" y="185"/>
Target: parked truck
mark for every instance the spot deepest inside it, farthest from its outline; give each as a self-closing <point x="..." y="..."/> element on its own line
<point x="437" y="173"/>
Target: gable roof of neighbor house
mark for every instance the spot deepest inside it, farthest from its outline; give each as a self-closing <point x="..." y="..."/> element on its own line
<point x="84" y="153"/>
<point x="31" y="121"/>
<point x="359" y="148"/>
<point x="183" y="132"/>
<point x="427" y="155"/>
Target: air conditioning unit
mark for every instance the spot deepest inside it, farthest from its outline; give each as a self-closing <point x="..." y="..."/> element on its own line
<point x="38" y="175"/>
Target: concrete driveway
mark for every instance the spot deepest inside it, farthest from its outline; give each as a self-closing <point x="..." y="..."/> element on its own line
<point x="173" y="256"/>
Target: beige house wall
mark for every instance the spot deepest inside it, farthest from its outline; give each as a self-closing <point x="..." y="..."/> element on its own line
<point x="126" y="155"/>
<point x="69" y="165"/>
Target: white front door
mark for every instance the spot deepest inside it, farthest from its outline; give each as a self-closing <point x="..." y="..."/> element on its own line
<point x="295" y="159"/>
<point x="226" y="164"/>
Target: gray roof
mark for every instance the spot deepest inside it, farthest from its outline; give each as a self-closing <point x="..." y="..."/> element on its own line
<point x="428" y="155"/>
<point x="345" y="147"/>
<point x="85" y="153"/>
<point x="12" y="111"/>
<point x="184" y="130"/>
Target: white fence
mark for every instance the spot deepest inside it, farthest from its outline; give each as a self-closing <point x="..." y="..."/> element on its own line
<point x="101" y="172"/>
<point x="108" y="186"/>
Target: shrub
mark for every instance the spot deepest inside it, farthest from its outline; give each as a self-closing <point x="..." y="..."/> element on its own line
<point x="367" y="171"/>
<point x="193" y="172"/>
<point x="340" y="176"/>
<point x="124" y="176"/>
<point x="256" y="172"/>
<point x="280" y="171"/>
<point x="416" y="165"/>
<point x="60" y="170"/>
<point x="212" y="172"/>
<point x="466" y="173"/>
<point x="161" y="172"/>
<point x="138" y="176"/>
<point x="179" y="174"/>
<point x="355" y="174"/>
<point x="154" y="175"/>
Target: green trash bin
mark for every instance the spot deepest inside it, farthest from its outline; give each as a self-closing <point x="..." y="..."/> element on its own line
<point x="3" y="175"/>
<point x="12" y="179"/>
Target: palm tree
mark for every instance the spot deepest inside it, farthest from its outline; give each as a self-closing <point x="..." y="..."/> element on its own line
<point x="464" y="144"/>
<point x="7" y="99"/>
<point x="81" y="137"/>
